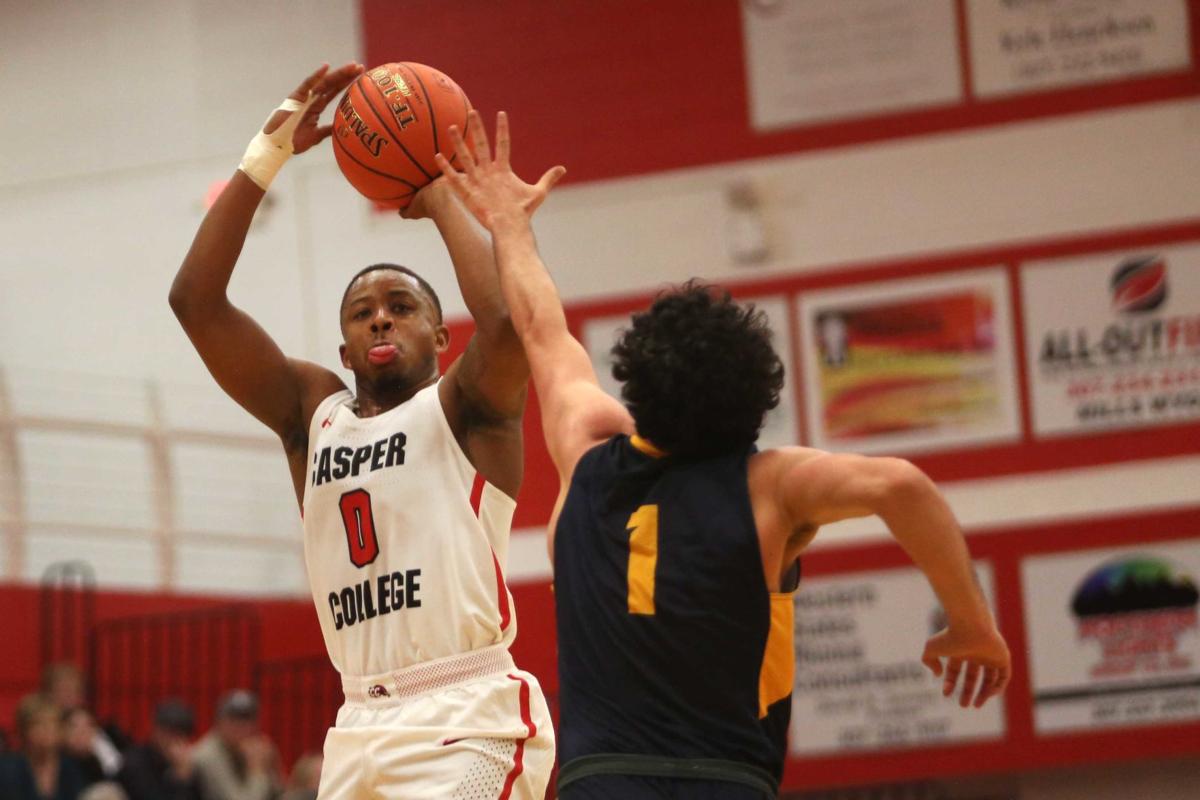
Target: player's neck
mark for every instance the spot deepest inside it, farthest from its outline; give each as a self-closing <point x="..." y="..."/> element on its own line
<point x="373" y="399"/>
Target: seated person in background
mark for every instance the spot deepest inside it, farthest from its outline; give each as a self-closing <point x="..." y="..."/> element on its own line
<point x="39" y="771"/>
<point x="161" y="769"/>
<point x="305" y="778"/>
<point x="79" y="737"/>
<point x="63" y="685"/>
<point x="235" y="761"/>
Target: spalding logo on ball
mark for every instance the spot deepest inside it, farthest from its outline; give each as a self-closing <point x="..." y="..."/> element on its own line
<point x="390" y="124"/>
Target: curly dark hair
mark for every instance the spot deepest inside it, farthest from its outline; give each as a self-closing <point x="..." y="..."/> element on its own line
<point x="698" y="371"/>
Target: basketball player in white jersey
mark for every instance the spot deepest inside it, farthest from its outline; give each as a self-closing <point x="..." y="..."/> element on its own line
<point x="406" y="487"/>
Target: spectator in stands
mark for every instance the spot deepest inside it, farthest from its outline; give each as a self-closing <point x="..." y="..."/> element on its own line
<point x="305" y="778"/>
<point x="39" y="771"/>
<point x="235" y="761"/>
<point x="63" y="685"/>
<point x="161" y="769"/>
<point x="79" y="731"/>
<point x="84" y="741"/>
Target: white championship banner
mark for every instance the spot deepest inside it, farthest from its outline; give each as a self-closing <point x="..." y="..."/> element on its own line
<point x="1113" y="636"/>
<point x="860" y="683"/>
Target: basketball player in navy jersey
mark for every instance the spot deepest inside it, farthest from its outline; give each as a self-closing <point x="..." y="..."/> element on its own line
<point x="406" y="488"/>
<point x="675" y="543"/>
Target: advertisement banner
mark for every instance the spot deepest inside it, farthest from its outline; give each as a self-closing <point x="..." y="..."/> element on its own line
<point x="1032" y="46"/>
<point x="812" y="62"/>
<point x="913" y="364"/>
<point x="860" y="683"/>
<point x="1113" y="340"/>
<point x="1113" y="636"/>
<point x="779" y="429"/>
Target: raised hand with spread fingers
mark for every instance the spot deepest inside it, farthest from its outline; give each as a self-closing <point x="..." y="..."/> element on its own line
<point x="487" y="184"/>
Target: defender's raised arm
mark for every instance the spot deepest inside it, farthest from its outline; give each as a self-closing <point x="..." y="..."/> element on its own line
<point x="576" y="413"/>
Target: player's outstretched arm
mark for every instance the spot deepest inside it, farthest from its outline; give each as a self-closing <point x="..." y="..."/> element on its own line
<point x="488" y="381"/>
<point x="243" y="359"/>
<point x="576" y="413"/>
<point x="817" y="488"/>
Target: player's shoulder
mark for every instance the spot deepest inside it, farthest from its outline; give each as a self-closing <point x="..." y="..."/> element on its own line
<point x="315" y="383"/>
<point x="771" y="463"/>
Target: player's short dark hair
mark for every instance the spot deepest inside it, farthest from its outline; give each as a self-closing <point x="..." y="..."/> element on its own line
<point x="425" y="287"/>
<point x="698" y="371"/>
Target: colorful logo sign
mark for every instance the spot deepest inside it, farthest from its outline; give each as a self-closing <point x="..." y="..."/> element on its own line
<point x="1136" y="609"/>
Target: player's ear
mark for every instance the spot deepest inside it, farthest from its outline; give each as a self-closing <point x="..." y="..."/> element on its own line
<point x="441" y="338"/>
<point x="342" y="355"/>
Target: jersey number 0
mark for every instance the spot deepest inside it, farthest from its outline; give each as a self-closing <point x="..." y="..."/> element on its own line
<point x="360" y="527"/>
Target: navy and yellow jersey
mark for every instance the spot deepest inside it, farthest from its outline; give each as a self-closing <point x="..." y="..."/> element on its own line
<point x="670" y="644"/>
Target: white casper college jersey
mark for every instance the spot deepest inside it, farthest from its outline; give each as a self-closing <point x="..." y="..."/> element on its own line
<point x="404" y="542"/>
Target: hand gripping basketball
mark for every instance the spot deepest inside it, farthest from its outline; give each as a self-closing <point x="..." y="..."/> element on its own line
<point x="268" y="152"/>
<point x="292" y="127"/>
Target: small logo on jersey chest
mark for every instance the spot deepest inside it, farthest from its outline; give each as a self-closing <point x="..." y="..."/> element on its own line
<point x="334" y="463"/>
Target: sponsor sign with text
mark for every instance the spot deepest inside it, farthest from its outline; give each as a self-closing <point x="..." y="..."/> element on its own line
<point x="912" y="364"/>
<point x="1113" y="341"/>
<point x="812" y="62"/>
<point x="1113" y="637"/>
<point x="1033" y="45"/>
<point x="860" y="683"/>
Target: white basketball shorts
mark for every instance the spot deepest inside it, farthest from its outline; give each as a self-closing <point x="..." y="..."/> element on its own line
<point x="469" y="727"/>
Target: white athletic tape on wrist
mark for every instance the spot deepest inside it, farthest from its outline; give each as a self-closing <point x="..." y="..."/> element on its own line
<point x="267" y="152"/>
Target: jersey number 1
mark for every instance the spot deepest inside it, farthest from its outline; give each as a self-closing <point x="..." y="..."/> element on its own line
<point x="360" y="527"/>
<point x="643" y="559"/>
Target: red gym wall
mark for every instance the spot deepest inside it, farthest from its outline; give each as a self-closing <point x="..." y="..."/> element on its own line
<point x="636" y="86"/>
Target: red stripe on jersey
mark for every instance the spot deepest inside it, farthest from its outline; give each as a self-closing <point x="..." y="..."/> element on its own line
<point x="530" y="731"/>
<point x="477" y="493"/>
<point x="501" y="593"/>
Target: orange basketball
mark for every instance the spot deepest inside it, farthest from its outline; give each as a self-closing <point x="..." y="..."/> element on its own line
<point x="389" y="125"/>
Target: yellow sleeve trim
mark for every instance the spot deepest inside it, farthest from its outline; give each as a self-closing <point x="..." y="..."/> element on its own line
<point x="646" y="447"/>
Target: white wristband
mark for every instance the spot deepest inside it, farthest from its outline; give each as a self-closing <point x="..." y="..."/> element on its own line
<point x="267" y="152"/>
